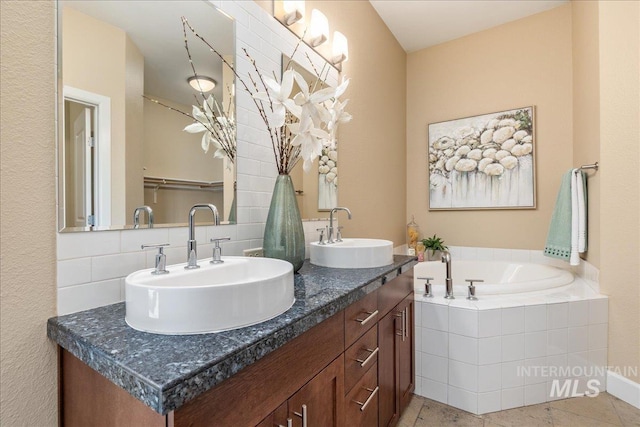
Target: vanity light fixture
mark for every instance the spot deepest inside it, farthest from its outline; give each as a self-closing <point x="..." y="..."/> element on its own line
<point x="340" y="48"/>
<point x="318" y="28"/>
<point x="202" y="83"/>
<point x="293" y="11"/>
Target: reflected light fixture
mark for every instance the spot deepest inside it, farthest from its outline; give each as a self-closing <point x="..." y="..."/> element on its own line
<point x="318" y="28"/>
<point x="293" y="11"/>
<point x="340" y="48"/>
<point x="202" y="83"/>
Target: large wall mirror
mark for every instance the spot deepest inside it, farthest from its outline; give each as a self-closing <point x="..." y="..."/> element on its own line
<point x="316" y="190"/>
<point x="123" y="154"/>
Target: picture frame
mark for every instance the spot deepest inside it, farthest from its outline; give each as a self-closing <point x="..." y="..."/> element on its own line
<point x="483" y="162"/>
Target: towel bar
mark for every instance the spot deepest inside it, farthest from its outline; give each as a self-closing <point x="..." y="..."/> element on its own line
<point x="592" y="166"/>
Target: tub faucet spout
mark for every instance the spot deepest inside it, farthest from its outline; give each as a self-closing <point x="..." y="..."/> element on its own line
<point x="446" y="258"/>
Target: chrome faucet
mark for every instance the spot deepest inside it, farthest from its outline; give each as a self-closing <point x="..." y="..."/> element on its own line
<point x="136" y="216"/>
<point x="330" y="233"/>
<point x="192" y="245"/>
<point x="446" y="258"/>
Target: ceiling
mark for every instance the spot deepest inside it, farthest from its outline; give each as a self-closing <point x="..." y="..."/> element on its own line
<point x="418" y="24"/>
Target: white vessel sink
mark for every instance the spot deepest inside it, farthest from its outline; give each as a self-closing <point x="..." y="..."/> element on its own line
<point x="352" y="253"/>
<point x="240" y="292"/>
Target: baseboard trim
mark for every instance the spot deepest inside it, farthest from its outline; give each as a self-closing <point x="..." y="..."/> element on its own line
<point x="623" y="388"/>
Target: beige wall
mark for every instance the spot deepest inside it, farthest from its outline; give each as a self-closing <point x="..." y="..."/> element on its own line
<point x="134" y="134"/>
<point x="28" y="390"/>
<point x="100" y="71"/>
<point x="372" y="149"/>
<point x="586" y="111"/>
<point x="619" y="48"/>
<point x="525" y="62"/>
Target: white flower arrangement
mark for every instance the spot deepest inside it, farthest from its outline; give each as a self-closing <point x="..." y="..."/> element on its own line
<point x="300" y="125"/>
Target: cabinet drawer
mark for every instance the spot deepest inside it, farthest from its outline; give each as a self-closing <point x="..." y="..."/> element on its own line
<point x="360" y="357"/>
<point x="361" y="404"/>
<point x="394" y="291"/>
<point x="359" y="317"/>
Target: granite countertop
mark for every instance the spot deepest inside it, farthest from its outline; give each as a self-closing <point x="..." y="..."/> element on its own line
<point x="166" y="371"/>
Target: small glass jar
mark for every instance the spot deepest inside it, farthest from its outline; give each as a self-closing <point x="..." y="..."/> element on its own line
<point x="413" y="235"/>
<point x="420" y="251"/>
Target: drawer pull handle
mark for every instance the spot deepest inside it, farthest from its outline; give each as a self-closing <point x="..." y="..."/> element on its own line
<point x="363" y="405"/>
<point x="289" y="423"/>
<point x="302" y="415"/>
<point x="369" y="358"/>
<point x="371" y="315"/>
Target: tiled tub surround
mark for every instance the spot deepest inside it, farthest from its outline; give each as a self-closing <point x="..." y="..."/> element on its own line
<point x="503" y="352"/>
<point x="164" y="371"/>
<point x="92" y="265"/>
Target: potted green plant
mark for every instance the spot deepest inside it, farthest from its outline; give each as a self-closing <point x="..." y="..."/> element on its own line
<point x="433" y="246"/>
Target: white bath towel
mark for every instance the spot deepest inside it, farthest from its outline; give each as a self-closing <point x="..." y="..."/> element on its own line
<point x="578" y="217"/>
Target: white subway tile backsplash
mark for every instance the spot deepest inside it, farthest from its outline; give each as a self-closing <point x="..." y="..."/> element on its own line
<point x="74" y="272"/>
<point x="116" y="266"/>
<point x="79" y="245"/>
<point x="83" y="297"/>
<point x="132" y="240"/>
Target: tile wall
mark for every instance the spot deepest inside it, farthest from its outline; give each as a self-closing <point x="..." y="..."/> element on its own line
<point x="92" y="266"/>
<point x="495" y="359"/>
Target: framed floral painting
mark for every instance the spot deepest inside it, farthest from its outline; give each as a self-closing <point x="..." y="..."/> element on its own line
<point x="483" y="162"/>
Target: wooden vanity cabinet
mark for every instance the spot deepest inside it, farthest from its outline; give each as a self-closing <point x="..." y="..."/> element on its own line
<point x="368" y="347"/>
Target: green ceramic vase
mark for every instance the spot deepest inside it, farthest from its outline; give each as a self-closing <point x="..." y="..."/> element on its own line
<point x="283" y="232"/>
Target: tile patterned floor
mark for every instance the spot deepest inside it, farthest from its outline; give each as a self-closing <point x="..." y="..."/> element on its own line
<point x="604" y="410"/>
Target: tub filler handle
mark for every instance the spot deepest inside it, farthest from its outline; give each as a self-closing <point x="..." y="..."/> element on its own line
<point x="427" y="286"/>
<point x="472" y="288"/>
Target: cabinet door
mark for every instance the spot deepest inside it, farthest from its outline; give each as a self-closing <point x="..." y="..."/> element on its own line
<point x="388" y="404"/>
<point x="320" y="403"/>
<point x="406" y="345"/>
<point x="277" y="418"/>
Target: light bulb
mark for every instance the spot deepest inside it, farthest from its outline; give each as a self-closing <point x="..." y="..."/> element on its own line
<point x="340" y="48"/>
<point x="318" y="29"/>
<point x="202" y="83"/>
<point x="293" y="11"/>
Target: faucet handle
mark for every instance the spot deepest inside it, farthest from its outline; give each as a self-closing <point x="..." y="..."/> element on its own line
<point x="472" y="289"/>
<point x="217" y="250"/>
<point x="339" y="234"/>
<point x="427" y="286"/>
<point x="321" y="239"/>
<point x="161" y="258"/>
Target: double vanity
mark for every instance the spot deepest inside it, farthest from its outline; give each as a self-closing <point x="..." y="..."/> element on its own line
<point x="340" y="354"/>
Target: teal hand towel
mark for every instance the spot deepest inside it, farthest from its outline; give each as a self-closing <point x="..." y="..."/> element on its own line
<point x="559" y="237"/>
